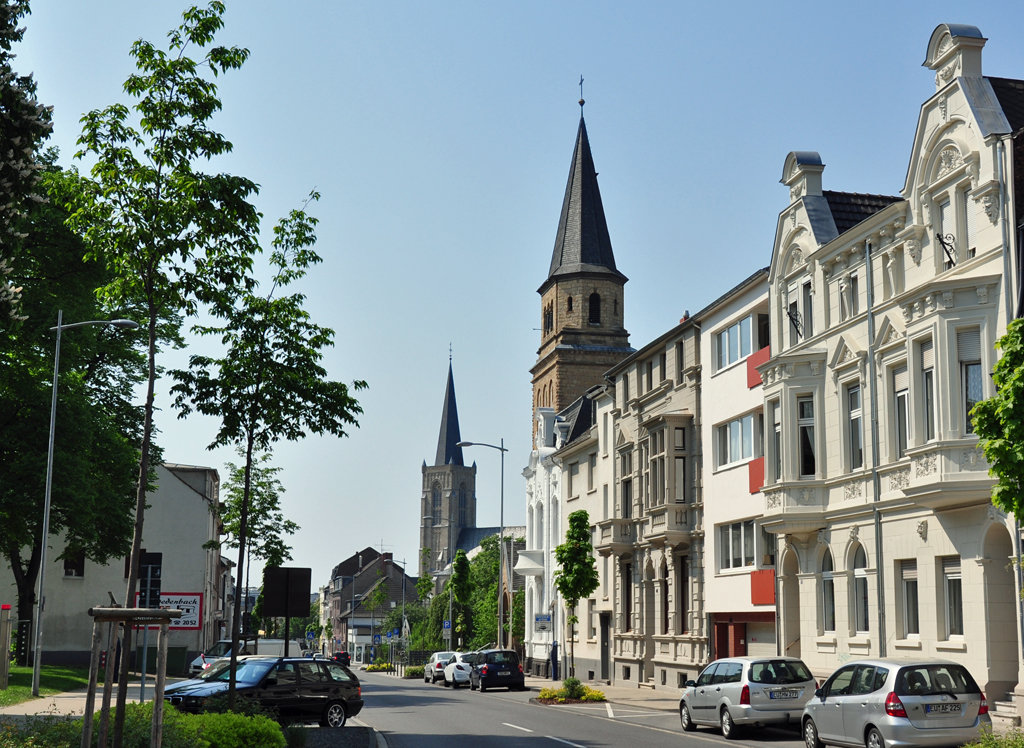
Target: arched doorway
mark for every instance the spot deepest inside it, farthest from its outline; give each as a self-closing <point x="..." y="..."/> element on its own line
<point x="1000" y="613"/>
<point x="790" y="604"/>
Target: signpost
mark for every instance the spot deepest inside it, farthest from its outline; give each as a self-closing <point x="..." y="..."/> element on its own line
<point x="542" y="622"/>
<point x="376" y="638"/>
<point x="446" y="632"/>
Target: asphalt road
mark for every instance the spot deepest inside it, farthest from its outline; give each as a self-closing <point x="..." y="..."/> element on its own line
<point x="413" y="714"/>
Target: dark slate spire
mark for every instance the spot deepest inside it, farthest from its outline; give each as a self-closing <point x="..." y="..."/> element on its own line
<point x="448" y="451"/>
<point x="582" y="244"/>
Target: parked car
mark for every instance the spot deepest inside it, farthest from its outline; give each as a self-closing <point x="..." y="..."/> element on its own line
<point x="747" y="691"/>
<point x="497" y="668"/>
<point x="297" y="688"/>
<point x="342" y="658"/>
<point x="433" y="671"/>
<point x="895" y="703"/>
<point x="222" y="649"/>
<point x="458" y="669"/>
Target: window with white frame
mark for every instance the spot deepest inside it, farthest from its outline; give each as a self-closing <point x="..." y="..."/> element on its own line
<point x="928" y="388"/>
<point x="911" y="619"/>
<point x="805" y="431"/>
<point x="574" y="479"/>
<point x="807" y="318"/>
<point x="862" y="622"/>
<point x="901" y="408"/>
<point x="680" y="362"/>
<point x="767" y="548"/>
<point x="734" y="343"/>
<point x="625" y="390"/>
<point x="736" y="440"/>
<point x="737" y="544"/>
<point x="627" y="484"/>
<point x="828" y="593"/>
<point x="604" y="434"/>
<point x="680" y="465"/>
<point x="663" y="367"/>
<point x="855" y="427"/>
<point x="970" y="224"/>
<point x="650" y="375"/>
<point x="794" y="323"/>
<point x="947" y="229"/>
<point x="775" y="410"/>
<point x="591" y="470"/>
<point x="953" y="592"/>
<point x="968" y="348"/>
<point x="604" y="501"/>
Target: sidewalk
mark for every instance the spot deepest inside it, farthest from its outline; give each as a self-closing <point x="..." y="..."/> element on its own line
<point x="73" y="702"/>
<point x="649" y="698"/>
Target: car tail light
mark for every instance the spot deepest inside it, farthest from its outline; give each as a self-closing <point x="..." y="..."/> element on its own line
<point x="745" y="695"/>
<point x="520" y="667"/>
<point x="983" y="709"/>
<point x="483" y="670"/>
<point x="893" y="706"/>
<point x="439" y="666"/>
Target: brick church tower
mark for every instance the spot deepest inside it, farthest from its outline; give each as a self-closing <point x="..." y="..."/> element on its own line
<point x="582" y="300"/>
<point x="448" y="501"/>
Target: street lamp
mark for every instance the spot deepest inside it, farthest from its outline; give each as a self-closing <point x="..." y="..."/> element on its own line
<point x="501" y="537"/>
<point x="40" y="603"/>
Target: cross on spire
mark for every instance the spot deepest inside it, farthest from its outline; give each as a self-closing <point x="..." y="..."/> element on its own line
<point x="582" y="102"/>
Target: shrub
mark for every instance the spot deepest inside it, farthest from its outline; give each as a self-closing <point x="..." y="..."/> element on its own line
<point x="57" y="731"/>
<point x="548" y="693"/>
<point x="295" y="736"/>
<point x="572" y="688"/>
<point x="592" y="694"/>
<point x="379" y="667"/>
<point x="1011" y="739"/>
<point x="228" y="730"/>
<point x="415" y="671"/>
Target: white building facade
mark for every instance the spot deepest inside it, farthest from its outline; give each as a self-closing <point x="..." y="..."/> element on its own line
<point x="885" y="310"/>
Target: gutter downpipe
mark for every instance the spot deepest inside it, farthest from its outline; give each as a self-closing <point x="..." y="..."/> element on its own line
<point x="1008" y="292"/>
<point x="876" y="482"/>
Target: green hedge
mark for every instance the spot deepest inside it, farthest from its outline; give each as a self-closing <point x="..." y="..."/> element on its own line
<point x="414" y="671"/>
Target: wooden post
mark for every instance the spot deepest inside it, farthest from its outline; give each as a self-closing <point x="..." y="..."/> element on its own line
<point x="5" y="645"/>
<point x="157" y="732"/>
<point x="90" y="695"/>
<point x="113" y="640"/>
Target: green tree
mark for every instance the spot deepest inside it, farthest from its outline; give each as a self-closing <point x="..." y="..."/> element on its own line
<point x="576" y="577"/>
<point x="462" y="591"/>
<point x="999" y="421"/>
<point x="379" y="595"/>
<point x="98" y="427"/>
<point x="26" y="125"/>
<point x="483" y="572"/>
<point x="425" y="584"/>
<point x="270" y="383"/>
<point x="173" y="236"/>
<point x="301" y="626"/>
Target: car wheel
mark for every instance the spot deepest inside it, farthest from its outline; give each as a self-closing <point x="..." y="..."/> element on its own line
<point x="482" y="687"/>
<point x="472" y="686"/>
<point x="729" y="729"/>
<point x="446" y="683"/>
<point x="685" y="720"/>
<point x="811" y="739"/>
<point x="875" y="739"/>
<point x="335" y="715"/>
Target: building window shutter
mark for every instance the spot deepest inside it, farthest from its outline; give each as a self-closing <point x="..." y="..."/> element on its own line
<point x="908" y="569"/>
<point x="968" y="345"/>
<point x="900" y="379"/>
<point x="927" y="355"/>
<point x="951" y="567"/>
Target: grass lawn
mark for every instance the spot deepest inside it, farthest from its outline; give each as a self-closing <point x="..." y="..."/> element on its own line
<point x="52" y="679"/>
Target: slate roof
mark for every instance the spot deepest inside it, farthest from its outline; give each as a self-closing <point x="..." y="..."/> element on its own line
<point x="582" y="244"/>
<point x="850" y="208"/>
<point x="580" y="416"/>
<point x="1010" y="93"/>
<point x="350" y="566"/>
<point x="448" y="451"/>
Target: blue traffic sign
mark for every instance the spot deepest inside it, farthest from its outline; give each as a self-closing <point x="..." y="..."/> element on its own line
<point x="310" y="635"/>
<point x="395" y="632"/>
<point x="376" y="638"/>
<point x="390" y="635"/>
<point x="447" y="624"/>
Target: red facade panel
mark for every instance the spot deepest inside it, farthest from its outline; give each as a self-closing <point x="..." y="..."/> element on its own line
<point x="753" y="361"/>
<point x="762" y="587"/>
<point x="756" y="469"/>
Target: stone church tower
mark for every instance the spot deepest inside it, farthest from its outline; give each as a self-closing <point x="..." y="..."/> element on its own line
<point x="582" y="333"/>
<point x="448" y="502"/>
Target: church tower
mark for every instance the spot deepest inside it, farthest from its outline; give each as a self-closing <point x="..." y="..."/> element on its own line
<point x="448" y="502"/>
<point x="582" y="333"/>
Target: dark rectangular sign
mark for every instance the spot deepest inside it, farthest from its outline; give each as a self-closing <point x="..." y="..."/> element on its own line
<point x="286" y="592"/>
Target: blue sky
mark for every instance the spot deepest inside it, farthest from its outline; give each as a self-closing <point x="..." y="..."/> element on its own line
<point x="440" y="135"/>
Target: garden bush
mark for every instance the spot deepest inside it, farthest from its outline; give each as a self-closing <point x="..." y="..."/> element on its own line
<point x="572" y="688"/>
<point x="229" y="730"/>
<point x="1012" y="739"/>
<point x="414" y="671"/>
<point x="379" y="668"/>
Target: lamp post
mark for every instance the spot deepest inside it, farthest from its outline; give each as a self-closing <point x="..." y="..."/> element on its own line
<point x="40" y="602"/>
<point x="501" y="536"/>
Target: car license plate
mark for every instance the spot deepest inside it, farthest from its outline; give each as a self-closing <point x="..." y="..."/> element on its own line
<point x="783" y="694"/>
<point x="943" y="708"/>
<point x="503" y="672"/>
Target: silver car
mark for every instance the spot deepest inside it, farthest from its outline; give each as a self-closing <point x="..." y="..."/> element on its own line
<point x="747" y="691"/>
<point x="433" y="671"/>
<point x="890" y="703"/>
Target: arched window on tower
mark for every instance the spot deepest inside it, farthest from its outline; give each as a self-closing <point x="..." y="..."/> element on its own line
<point x="549" y="319"/>
<point x="569" y="304"/>
<point x="462" y="505"/>
<point x="594" y="316"/>
<point x="435" y="503"/>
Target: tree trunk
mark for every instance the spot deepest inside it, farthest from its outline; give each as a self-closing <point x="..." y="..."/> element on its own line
<point x="140" y="509"/>
<point x="25" y="579"/>
<point x="572" y="646"/>
<point x="236" y="618"/>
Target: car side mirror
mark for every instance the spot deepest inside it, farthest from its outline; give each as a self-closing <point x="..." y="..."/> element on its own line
<point x="691" y="684"/>
<point x="819" y="694"/>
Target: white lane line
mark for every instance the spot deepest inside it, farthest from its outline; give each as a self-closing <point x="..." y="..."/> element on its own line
<point x="517" y="727"/>
<point x="610" y="712"/>
<point x="574" y="745"/>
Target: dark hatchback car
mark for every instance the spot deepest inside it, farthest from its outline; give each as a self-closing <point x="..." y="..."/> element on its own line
<point x="496" y="668"/>
<point x="298" y="689"/>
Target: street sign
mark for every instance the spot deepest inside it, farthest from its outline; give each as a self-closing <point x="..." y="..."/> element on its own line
<point x="446" y="634"/>
<point x="310" y="635"/>
<point x="390" y="635"/>
<point x="448" y="624"/>
<point x="542" y="622"/>
<point x="376" y="638"/>
<point x="395" y="632"/>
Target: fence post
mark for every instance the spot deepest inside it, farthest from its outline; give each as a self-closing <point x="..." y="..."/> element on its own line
<point x="5" y="645"/>
<point x="113" y="644"/>
<point x="90" y="695"/>
<point x="157" y="733"/>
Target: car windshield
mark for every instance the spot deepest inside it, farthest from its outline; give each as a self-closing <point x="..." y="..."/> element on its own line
<point x="925" y="680"/>
<point x="494" y="658"/>
<point x="779" y="672"/>
<point x="219" y="649"/>
<point x="246" y="671"/>
<point x="443" y="656"/>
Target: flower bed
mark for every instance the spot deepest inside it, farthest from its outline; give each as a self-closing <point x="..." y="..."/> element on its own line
<point x="571" y="692"/>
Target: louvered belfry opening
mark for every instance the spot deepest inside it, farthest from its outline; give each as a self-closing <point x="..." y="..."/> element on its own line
<point x="594" y="315"/>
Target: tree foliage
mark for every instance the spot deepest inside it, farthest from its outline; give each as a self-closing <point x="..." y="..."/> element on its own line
<point x="576" y="576"/>
<point x="462" y="596"/>
<point x="999" y="421"/>
<point x="173" y="236"/>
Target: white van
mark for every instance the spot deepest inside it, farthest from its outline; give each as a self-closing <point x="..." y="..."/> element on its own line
<point x="222" y="649"/>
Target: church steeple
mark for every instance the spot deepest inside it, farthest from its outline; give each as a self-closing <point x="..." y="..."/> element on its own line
<point x="582" y="244"/>
<point x="448" y="450"/>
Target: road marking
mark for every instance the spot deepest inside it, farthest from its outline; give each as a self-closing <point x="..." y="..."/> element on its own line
<point x="610" y="712"/>
<point x="517" y="727"/>
<point x="574" y="745"/>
